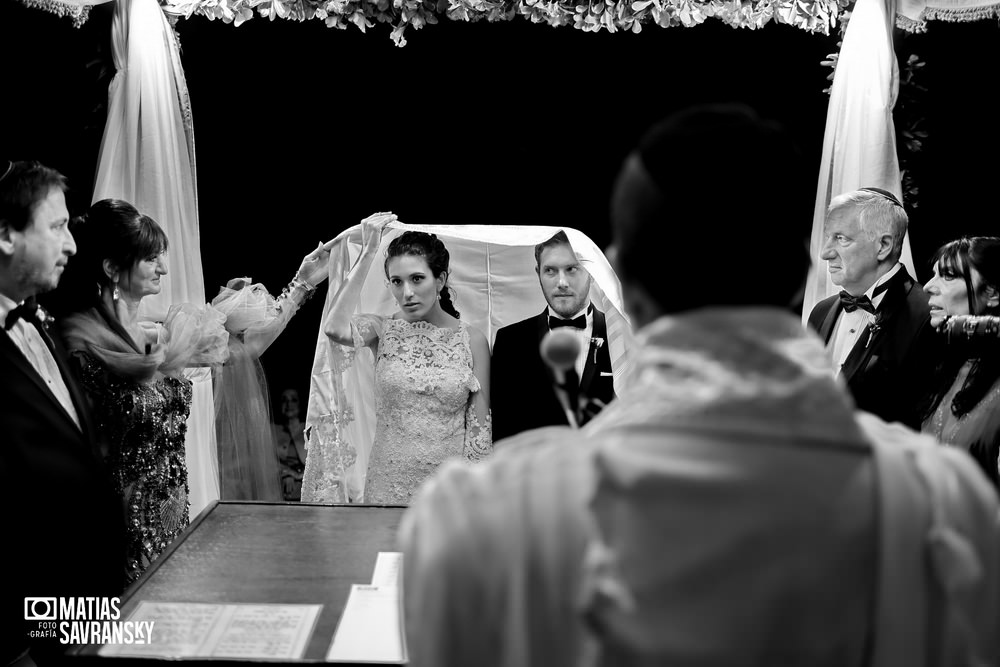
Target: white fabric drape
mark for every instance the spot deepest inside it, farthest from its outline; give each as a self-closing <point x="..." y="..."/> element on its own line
<point x="147" y="158"/>
<point x="859" y="146"/>
<point x="493" y="276"/>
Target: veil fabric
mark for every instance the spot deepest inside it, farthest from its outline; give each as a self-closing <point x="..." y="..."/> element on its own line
<point x="248" y="462"/>
<point x="495" y="284"/>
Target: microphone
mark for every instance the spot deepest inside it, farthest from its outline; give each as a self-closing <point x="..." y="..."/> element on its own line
<point x="560" y="349"/>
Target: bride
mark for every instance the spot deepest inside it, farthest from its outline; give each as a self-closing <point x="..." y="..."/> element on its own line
<point x="431" y="368"/>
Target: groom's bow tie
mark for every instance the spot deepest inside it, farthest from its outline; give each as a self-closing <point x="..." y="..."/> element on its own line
<point x="577" y="322"/>
<point x="28" y="311"/>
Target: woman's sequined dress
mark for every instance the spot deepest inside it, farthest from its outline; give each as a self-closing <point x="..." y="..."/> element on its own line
<point x="144" y="426"/>
<point x="424" y="391"/>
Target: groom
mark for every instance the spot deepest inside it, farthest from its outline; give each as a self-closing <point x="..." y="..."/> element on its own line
<point x="522" y="386"/>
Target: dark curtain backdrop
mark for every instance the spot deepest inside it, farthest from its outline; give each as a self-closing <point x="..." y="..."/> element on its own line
<point x="301" y="130"/>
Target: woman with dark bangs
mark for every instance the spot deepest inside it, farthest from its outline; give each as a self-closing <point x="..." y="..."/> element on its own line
<point x="964" y="408"/>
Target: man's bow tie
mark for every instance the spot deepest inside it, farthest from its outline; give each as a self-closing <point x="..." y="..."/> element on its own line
<point x="852" y="303"/>
<point x="577" y="322"/>
<point x="27" y="310"/>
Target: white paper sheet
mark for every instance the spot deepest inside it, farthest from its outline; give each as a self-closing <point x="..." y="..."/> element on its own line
<point x="388" y="569"/>
<point x="371" y="628"/>
<point x="198" y="630"/>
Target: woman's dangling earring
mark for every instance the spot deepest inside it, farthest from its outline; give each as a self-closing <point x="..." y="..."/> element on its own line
<point x="115" y="294"/>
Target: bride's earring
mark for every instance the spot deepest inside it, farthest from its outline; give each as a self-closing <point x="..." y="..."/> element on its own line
<point x="115" y="294"/>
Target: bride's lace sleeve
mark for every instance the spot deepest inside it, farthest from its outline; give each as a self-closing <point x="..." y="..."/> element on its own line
<point x="478" y="434"/>
<point x="478" y="421"/>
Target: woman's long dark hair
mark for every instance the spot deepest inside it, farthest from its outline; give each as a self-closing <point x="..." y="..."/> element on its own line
<point x="957" y="259"/>
<point x="434" y="252"/>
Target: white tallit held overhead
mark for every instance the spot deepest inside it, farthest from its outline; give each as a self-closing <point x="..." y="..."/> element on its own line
<point x="147" y="158"/>
<point x="859" y="147"/>
<point x="493" y="276"/>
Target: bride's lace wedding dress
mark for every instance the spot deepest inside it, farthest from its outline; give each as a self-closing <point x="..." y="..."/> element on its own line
<point x="425" y="398"/>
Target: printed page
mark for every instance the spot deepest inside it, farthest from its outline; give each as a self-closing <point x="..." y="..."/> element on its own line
<point x="268" y="631"/>
<point x="198" y="630"/>
<point x="370" y="629"/>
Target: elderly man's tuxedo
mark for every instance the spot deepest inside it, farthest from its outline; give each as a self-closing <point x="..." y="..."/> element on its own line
<point x="888" y="369"/>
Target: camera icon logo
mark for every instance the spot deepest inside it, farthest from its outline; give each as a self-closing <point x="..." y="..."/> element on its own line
<point x="40" y="609"/>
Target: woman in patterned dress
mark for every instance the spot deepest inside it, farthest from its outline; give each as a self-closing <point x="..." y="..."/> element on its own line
<point x="132" y="369"/>
<point x="431" y="368"/>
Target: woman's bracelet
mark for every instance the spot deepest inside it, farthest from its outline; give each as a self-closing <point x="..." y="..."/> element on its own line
<point x="972" y="326"/>
<point x="296" y="286"/>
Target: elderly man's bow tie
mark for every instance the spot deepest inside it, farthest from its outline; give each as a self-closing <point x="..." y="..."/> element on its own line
<point x="27" y="311"/>
<point x="577" y="322"/>
<point x="852" y="303"/>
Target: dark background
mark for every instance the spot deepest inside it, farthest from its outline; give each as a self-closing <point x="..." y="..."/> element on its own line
<point x="302" y="130"/>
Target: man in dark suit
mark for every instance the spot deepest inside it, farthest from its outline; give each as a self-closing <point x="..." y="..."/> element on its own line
<point x="63" y="523"/>
<point x="877" y="329"/>
<point x="523" y="392"/>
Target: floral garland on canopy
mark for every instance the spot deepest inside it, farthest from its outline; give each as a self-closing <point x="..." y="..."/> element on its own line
<point x="587" y="15"/>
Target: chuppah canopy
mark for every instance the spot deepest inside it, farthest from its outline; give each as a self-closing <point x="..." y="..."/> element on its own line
<point x="859" y="142"/>
<point x="153" y="164"/>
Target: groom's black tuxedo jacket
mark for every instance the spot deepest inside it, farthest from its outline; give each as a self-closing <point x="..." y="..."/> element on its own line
<point x="522" y="389"/>
<point x="888" y="376"/>
<point x="62" y="521"/>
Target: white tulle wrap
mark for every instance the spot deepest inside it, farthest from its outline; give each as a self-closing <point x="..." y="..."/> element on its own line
<point x="248" y="464"/>
<point x="194" y="336"/>
<point x="495" y="284"/>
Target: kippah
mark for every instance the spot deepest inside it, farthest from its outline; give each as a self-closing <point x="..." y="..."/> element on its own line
<point x="885" y="193"/>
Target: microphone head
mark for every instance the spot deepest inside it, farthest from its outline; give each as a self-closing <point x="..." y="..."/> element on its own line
<point x="560" y="348"/>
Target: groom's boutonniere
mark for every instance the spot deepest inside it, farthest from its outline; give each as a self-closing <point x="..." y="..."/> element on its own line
<point x="874" y="327"/>
<point x="596" y="343"/>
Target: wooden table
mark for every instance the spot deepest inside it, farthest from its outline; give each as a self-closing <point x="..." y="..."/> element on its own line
<point x="255" y="552"/>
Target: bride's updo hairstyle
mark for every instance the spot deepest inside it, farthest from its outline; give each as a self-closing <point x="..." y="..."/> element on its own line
<point x="430" y="247"/>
